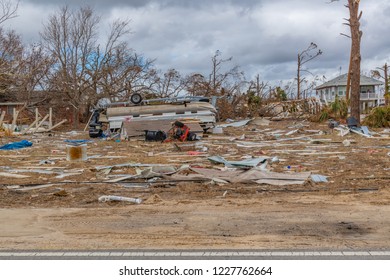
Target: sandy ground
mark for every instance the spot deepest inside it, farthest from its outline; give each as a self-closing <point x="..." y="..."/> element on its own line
<point x="351" y="211"/>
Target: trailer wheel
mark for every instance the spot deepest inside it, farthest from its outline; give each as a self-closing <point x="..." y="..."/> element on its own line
<point x="136" y="98"/>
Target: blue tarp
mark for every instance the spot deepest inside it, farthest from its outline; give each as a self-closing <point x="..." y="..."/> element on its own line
<point x="16" y="145"/>
<point x="77" y="142"/>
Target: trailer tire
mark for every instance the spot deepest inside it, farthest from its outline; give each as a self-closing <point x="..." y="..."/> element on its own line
<point x="136" y="98"/>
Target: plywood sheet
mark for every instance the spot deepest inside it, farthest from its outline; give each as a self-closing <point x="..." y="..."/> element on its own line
<point x="137" y="128"/>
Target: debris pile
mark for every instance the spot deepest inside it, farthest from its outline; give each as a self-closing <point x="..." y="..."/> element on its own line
<point x="257" y="154"/>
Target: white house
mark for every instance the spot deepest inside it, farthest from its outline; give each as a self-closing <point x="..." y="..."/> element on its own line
<point x="370" y="95"/>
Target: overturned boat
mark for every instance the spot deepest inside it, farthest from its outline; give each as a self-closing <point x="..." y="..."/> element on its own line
<point x="185" y="110"/>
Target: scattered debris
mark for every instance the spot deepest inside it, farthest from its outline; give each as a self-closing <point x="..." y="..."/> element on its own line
<point x="240" y="164"/>
<point x="106" y="198"/>
<point x="235" y="124"/>
<point x="255" y="176"/>
<point x="152" y="135"/>
<point x="46" y="161"/>
<point x="217" y="130"/>
<point x="165" y="109"/>
<point x="260" y="122"/>
<point x="12" y="175"/>
<point x="363" y="131"/>
<point x="346" y="143"/>
<point x="319" y="178"/>
<point x="37" y="187"/>
<point x="343" y="130"/>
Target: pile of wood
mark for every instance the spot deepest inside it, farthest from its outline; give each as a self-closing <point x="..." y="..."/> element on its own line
<point x="292" y="108"/>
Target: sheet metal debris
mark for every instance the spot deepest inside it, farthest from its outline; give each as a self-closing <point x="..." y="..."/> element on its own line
<point x="254" y="175"/>
<point x="236" y="124"/>
<point x="363" y="131"/>
<point x="240" y="164"/>
<point x="319" y="178"/>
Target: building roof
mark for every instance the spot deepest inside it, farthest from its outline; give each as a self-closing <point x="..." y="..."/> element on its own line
<point x="342" y="81"/>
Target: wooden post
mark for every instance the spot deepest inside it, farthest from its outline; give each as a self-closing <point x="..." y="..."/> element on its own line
<point x="89" y="120"/>
<point x="2" y="118"/>
<point x="15" y="117"/>
<point x="50" y="118"/>
<point x="28" y="128"/>
<point x="56" y="125"/>
<point x="36" y="117"/>
<point x="44" y="119"/>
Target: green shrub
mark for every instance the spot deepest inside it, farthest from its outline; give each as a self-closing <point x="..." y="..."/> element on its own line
<point x="378" y="117"/>
<point x="336" y="110"/>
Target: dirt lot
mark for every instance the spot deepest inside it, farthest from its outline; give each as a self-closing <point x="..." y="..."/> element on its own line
<point x="56" y="205"/>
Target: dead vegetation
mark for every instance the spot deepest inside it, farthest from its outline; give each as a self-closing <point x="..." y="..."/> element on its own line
<point x="378" y="117"/>
<point x="337" y="110"/>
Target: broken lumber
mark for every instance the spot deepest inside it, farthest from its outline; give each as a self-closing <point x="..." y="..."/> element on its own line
<point x="2" y="118"/>
<point x="40" y="124"/>
<point x="56" y="125"/>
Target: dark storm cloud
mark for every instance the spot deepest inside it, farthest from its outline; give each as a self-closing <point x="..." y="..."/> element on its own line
<point x="101" y="4"/>
<point x="140" y="3"/>
<point x="263" y="37"/>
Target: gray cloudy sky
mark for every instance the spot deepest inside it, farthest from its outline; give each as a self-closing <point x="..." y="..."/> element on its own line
<point x="263" y="37"/>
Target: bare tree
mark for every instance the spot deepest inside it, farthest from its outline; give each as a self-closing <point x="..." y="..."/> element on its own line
<point x="170" y="84"/>
<point x="196" y="84"/>
<point x="259" y="88"/>
<point x="383" y="73"/>
<point x="23" y="70"/>
<point x="216" y="77"/>
<point x="11" y="54"/>
<point x="70" y="37"/>
<point x="8" y="10"/>
<point x="353" y="80"/>
<point x="356" y="35"/>
<point x="222" y="82"/>
<point x="86" y="71"/>
<point x="33" y="74"/>
<point x="123" y="74"/>
<point x="304" y="57"/>
<point x="117" y="71"/>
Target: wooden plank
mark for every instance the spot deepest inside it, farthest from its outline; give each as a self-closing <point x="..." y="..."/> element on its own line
<point x="31" y="125"/>
<point x="36" y="118"/>
<point x="56" y="125"/>
<point x="15" y="115"/>
<point x="89" y="120"/>
<point x="40" y="123"/>
<point x="137" y="128"/>
<point x="25" y="189"/>
<point x="12" y="175"/>
<point x="2" y="118"/>
<point x="50" y="118"/>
